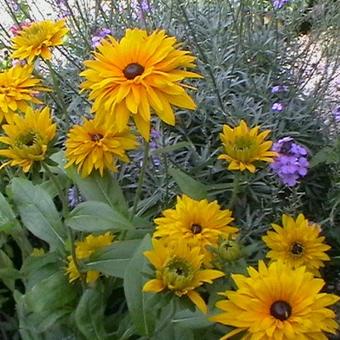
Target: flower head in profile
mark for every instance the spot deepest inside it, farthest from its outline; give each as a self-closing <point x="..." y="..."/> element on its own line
<point x="18" y="90"/>
<point x="84" y="249"/>
<point x="28" y="138"/>
<point x="278" y="4"/>
<point x="37" y="39"/>
<point x="178" y="269"/>
<point x="138" y="74"/>
<point x="298" y="243"/>
<point x="200" y="223"/>
<point x="277" y="302"/>
<point x="97" y="144"/>
<point x="243" y="146"/>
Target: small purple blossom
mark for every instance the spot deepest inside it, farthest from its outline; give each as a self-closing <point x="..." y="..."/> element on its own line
<point x="291" y="164"/>
<point x="74" y="198"/>
<point x="279" y="3"/>
<point x="279" y="89"/>
<point x="336" y="113"/>
<point x="101" y="34"/>
<point x="278" y="107"/>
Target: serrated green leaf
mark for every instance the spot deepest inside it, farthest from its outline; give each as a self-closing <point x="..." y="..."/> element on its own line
<point x="141" y="313"/>
<point x="38" y="212"/>
<point x="113" y="260"/>
<point x="102" y="189"/>
<point x="92" y="216"/>
<point x="89" y="315"/>
<point x="188" y="185"/>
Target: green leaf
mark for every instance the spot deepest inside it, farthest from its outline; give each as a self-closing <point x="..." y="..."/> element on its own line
<point x="171" y="148"/>
<point x="7" y="217"/>
<point x="140" y="311"/>
<point x="8" y="274"/>
<point x="89" y="315"/>
<point x="188" y="185"/>
<point x="38" y="212"/>
<point x="326" y="155"/>
<point x="92" y="216"/>
<point x="113" y="260"/>
<point x="50" y="294"/>
<point x="189" y="319"/>
<point x="103" y="189"/>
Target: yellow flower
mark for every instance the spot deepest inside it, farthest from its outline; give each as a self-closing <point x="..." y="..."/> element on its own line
<point x="244" y="146"/>
<point x="138" y="73"/>
<point x="278" y="302"/>
<point x="200" y="223"/>
<point x="178" y="269"/>
<point x="298" y="243"/>
<point x="37" y="39"/>
<point x="84" y="249"/>
<point x="27" y="138"/>
<point x="96" y="145"/>
<point x="18" y="89"/>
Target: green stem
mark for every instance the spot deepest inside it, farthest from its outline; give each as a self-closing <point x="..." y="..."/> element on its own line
<point x="141" y="179"/>
<point x="236" y="189"/>
<point x="58" y="92"/>
<point x="63" y="199"/>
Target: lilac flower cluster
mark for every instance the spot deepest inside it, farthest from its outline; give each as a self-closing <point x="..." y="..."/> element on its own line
<point x="101" y="34"/>
<point x="278" y="107"/>
<point x="336" y="113"/>
<point x="291" y="163"/>
<point x="279" y="89"/>
<point x="279" y="3"/>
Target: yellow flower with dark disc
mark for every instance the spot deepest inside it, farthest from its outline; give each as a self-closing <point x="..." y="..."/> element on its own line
<point x="27" y="138"/>
<point x="244" y="146"/>
<point x="18" y="90"/>
<point x="200" y="223"/>
<point x="97" y="144"/>
<point x="278" y="302"/>
<point x="84" y="249"/>
<point x="37" y="39"/>
<point x="298" y="243"/>
<point x="178" y="269"/>
<point x="139" y="73"/>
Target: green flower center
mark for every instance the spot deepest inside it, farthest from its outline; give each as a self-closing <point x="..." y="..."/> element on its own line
<point x="177" y="274"/>
<point x="281" y="310"/>
<point x="196" y="228"/>
<point x="244" y="143"/>
<point x="297" y="249"/>
<point x="28" y="139"/>
<point x="133" y="70"/>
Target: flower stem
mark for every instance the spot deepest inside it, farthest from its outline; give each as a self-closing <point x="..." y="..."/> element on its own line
<point x="141" y="179"/>
<point x="58" y="91"/>
<point x="236" y="187"/>
<point x="63" y="199"/>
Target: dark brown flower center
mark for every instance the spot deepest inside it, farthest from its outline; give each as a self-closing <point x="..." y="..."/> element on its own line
<point x="196" y="228"/>
<point x="296" y="248"/>
<point x="96" y="137"/>
<point x="133" y="70"/>
<point x="281" y="310"/>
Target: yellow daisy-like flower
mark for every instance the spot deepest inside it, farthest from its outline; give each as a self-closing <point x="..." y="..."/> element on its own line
<point x="18" y="90"/>
<point x="276" y="303"/>
<point x="200" y="223"/>
<point x="244" y="146"/>
<point x="96" y="145"/>
<point x="28" y="138"/>
<point x="178" y="269"/>
<point x="297" y="243"/>
<point x="137" y="73"/>
<point x="37" y="39"/>
<point x="84" y="249"/>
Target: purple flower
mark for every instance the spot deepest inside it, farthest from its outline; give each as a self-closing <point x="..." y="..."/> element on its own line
<point x="279" y="3"/>
<point x="74" y="198"/>
<point x="336" y="113"/>
<point x="101" y="34"/>
<point x="291" y="164"/>
<point x="278" y="107"/>
<point x="279" y="89"/>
